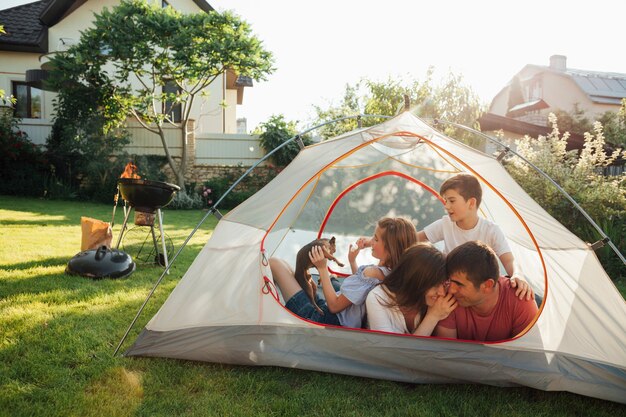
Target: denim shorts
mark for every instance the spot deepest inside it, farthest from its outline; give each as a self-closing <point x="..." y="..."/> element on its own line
<point x="301" y="305"/>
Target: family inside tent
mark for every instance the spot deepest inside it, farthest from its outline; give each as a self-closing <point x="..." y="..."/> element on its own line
<point x="415" y="288"/>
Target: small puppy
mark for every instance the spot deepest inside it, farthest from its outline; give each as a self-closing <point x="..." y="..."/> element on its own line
<point x="303" y="263"/>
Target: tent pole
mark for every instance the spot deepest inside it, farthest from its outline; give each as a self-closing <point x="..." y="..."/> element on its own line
<point x="166" y="271"/>
<point x="213" y="210"/>
<point x="297" y="136"/>
<point x="605" y="238"/>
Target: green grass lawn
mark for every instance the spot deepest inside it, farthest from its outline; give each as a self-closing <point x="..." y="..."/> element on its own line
<point x="58" y="334"/>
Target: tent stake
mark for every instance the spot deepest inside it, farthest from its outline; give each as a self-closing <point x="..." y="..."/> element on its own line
<point x="599" y="244"/>
<point x="216" y="213"/>
<point x="502" y="154"/>
<point x="300" y="142"/>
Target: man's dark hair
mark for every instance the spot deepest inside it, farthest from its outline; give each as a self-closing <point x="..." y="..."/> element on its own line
<point x="477" y="260"/>
<point x="465" y="184"/>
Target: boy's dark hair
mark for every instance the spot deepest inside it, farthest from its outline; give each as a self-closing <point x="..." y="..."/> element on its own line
<point x="465" y="184"/>
<point x="474" y="258"/>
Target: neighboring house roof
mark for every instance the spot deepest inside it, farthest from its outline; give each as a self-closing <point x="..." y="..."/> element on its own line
<point x="27" y="25"/>
<point x="24" y="30"/>
<point x="600" y="87"/>
<point x="490" y="122"/>
<point x="522" y="108"/>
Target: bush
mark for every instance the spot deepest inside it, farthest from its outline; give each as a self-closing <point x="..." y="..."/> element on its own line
<point x="150" y="167"/>
<point x="213" y="189"/>
<point x="184" y="201"/>
<point x="86" y="159"/>
<point x="602" y="197"/>
<point x="274" y="133"/>
<point x="23" y="165"/>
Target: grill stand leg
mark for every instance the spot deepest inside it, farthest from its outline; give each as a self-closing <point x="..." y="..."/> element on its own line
<point x="160" y="217"/>
<point x="126" y="215"/>
<point x="157" y="258"/>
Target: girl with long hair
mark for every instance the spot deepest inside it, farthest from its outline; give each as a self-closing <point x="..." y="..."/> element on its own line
<point x="345" y="307"/>
<point x="412" y="298"/>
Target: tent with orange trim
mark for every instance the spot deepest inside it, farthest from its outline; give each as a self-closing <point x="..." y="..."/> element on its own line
<point x="226" y="309"/>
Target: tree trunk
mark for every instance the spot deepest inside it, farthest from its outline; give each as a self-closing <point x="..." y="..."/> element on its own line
<point x="179" y="171"/>
<point x="180" y="176"/>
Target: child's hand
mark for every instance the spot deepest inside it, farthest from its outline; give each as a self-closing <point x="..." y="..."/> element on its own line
<point x="353" y="251"/>
<point x="317" y="258"/>
<point x="523" y="289"/>
<point x="443" y="307"/>
<point x="364" y="242"/>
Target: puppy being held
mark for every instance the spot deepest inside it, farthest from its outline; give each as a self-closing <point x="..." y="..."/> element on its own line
<point x="303" y="263"/>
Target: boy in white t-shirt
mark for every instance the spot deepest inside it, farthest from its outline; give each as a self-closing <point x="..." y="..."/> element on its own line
<point x="462" y="195"/>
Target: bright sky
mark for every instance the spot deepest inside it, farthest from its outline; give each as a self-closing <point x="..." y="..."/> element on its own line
<point x="320" y="46"/>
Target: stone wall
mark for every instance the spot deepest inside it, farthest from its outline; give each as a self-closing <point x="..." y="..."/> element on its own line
<point x="198" y="174"/>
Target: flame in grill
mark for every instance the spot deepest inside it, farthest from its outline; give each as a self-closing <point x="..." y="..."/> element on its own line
<point x="130" y="171"/>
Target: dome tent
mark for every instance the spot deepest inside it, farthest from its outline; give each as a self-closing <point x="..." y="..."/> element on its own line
<point x="225" y="308"/>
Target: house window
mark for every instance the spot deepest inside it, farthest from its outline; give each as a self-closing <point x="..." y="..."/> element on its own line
<point x="28" y="100"/>
<point x="169" y="106"/>
<point x="534" y="89"/>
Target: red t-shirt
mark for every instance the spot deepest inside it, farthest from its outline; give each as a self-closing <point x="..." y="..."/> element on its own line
<point x="509" y="317"/>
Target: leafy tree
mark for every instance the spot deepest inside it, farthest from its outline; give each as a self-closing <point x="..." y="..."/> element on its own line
<point x="134" y="50"/>
<point x="450" y="100"/>
<point x="350" y="105"/>
<point x="86" y="161"/>
<point x="578" y="121"/>
<point x="575" y="121"/>
<point x="516" y="95"/>
<point x="274" y="133"/>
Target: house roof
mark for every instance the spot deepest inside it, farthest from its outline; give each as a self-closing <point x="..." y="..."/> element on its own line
<point x="490" y="122"/>
<point x="522" y="108"/>
<point x="605" y="87"/>
<point x="24" y="30"/>
<point x="27" y="25"/>
<point x="601" y="87"/>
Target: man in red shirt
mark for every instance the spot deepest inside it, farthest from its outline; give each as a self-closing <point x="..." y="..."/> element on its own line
<point x="488" y="309"/>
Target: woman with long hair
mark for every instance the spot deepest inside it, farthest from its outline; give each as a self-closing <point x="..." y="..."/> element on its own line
<point x="412" y="298"/>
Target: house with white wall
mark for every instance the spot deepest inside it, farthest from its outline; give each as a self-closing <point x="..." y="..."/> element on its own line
<point x="36" y="30"/>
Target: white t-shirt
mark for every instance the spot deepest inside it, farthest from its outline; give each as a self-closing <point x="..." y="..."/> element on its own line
<point x="452" y="235"/>
<point x="380" y="316"/>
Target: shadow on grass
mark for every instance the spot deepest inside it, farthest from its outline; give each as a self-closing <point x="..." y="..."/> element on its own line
<point x="53" y="288"/>
<point x="43" y="223"/>
<point x="48" y="262"/>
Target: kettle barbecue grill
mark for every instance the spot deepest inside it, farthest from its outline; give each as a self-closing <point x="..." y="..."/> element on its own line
<point x="147" y="198"/>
